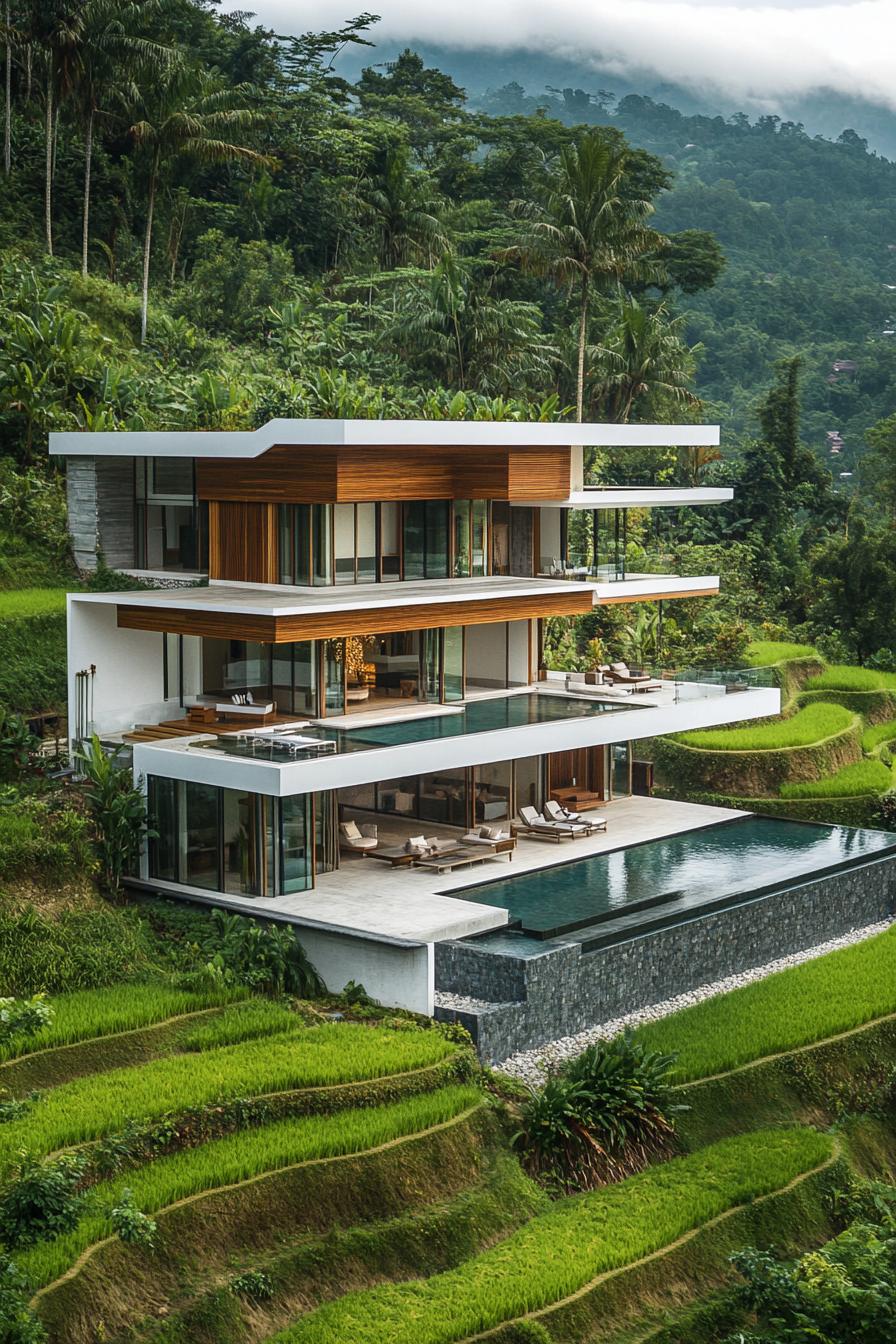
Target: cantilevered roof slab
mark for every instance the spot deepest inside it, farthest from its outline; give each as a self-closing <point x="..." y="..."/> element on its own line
<point x="237" y="444"/>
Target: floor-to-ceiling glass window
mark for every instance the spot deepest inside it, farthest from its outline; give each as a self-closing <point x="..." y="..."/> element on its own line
<point x="415" y="539"/>
<point x="453" y="662"/>
<point x="390" y="541"/>
<point x="170" y="524"/>
<point x="304" y="671"/>
<point x="198" y="860"/>
<point x="326" y="833"/>
<point x="295" y="843"/>
<point x="462" y="539"/>
<point x="333" y="662"/>
<point x="365" y="543"/>
<point x="528" y="790"/>
<point x="500" y="537"/>
<point x="436" y="538"/>
<point x="432" y="682"/>
<point x="344" y="542"/>
<point x="235" y="666"/>
<point x="621" y="769"/>
<point x="492" y="791"/>
<point x="162" y="809"/>
<point x="478" y="538"/>
<point x="242" y="840"/>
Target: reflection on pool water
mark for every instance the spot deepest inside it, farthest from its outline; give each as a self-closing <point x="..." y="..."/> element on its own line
<point x="480" y="716"/>
<point x="739" y="856"/>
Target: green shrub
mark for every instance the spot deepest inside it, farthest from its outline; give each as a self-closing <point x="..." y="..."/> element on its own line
<point x="768" y="652"/>
<point x="558" y="1253"/>
<point x="814" y="723"/>
<point x="880" y="732"/>
<point x="842" y="677"/>
<point x="39" y="841"/>
<point x="806" y="1003"/>
<point x="21" y="1020"/>
<point x="81" y="949"/>
<point x="253" y="1285"/>
<point x="40" y="1200"/>
<point x="242" y="1156"/>
<point x="17" y="744"/>
<point x="853" y="781"/>
<point x="606" y="1115"/>
<point x="265" y="957"/>
<point x="78" y="1111"/>
<point x="85" y="1014"/>
<point x="18" y="1324"/>
<point x="118" y="810"/>
<point x="131" y="1224"/>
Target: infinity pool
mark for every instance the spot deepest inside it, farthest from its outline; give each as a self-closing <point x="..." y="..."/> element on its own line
<point x="480" y="716"/>
<point x="681" y="872"/>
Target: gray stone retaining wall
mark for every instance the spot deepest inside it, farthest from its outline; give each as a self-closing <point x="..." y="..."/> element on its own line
<point x="535" y="1000"/>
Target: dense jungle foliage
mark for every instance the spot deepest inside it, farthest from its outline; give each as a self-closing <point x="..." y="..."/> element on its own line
<point x="205" y="224"/>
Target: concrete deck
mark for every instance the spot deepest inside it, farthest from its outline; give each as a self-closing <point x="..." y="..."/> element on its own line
<point x="367" y="896"/>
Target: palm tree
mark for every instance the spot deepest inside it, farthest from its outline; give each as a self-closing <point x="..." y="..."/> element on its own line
<point x="584" y="230"/>
<point x="188" y="115"/>
<point x="401" y="205"/>
<point x="642" y="355"/>
<point x="112" y="56"/>
<point x="56" y="27"/>
<point x="467" y="336"/>
<point x="7" y="101"/>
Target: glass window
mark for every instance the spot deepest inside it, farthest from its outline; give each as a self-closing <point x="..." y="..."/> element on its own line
<point x="436" y="539"/>
<point x="491" y="791"/>
<point x="478" y="543"/>
<point x="322" y="543"/>
<point x="326" y="833"/>
<point x="462" y="560"/>
<point x="295" y="843"/>
<point x="431" y="661"/>
<point x="453" y="662"/>
<point x="443" y="797"/>
<point x="243" y="842"/>
<point x="390" y="542"/>
<point x="334" y="676"/>
<point x="500" y="537"/>
<point x="527" y="780"/>
<point x="344" y="542"/>
<point x="162" y="808"/>
<point x="414" y="540"/>
<point x="621" y="768"/>
<point x="199" y="836"/>
<point x="366" y="542"/>
<point x="172" y="477"/>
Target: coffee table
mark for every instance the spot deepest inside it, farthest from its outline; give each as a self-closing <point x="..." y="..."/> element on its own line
<point x="457" y="858"/>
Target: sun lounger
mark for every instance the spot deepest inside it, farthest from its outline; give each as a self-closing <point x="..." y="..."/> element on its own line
<point x="555" y="811"/>
<point x="533" y="823"/>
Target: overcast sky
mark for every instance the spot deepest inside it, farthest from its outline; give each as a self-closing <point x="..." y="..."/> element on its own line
<point x="753" y="51"/>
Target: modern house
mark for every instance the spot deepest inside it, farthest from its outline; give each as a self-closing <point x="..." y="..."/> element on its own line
<point x="343" y="657"/>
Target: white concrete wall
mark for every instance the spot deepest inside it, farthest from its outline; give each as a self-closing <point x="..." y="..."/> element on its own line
<point x="129" y="682"/>
<point x="549" y="539"/>
<point x="486" y="654"/>
<point x="519" y="634"/>
<point x="398" y="976"/>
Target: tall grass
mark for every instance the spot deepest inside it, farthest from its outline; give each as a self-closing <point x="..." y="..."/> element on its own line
<point x="767" y="652"/>
<point x="842" y="677"/>
<point x="853" y="781"/>
<point x="31" y="602"/>
<point x="88" y="1013"/>
<point x="242" y="1022"/>
<point x="879" y="732"/>
<point x="791" y="1008"/>
<point x="90" y="1108"/>
<point x="241" y="1156"/>
<point x="560" y="1252"/>
<point x="812" y="724"/>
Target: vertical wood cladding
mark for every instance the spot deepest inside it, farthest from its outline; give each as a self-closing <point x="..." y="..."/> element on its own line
<point x="292" y="474"/>
<point x="242" y="541"/>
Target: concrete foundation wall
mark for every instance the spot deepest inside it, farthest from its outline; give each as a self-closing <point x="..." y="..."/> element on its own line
<point x="539" y="999"/>
<point x="400" y="976"/>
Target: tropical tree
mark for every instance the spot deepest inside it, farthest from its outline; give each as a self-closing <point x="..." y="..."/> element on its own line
<point x="112" y="56"/>
<point x="188" y="114"/>
<point x="401" y="205"/>
<point x="585" y="230"/>
<point x="642" y="357"/>
<point x="56" y="28"/>
<point x="452" y="324"/>
<point x="7" y="90"/>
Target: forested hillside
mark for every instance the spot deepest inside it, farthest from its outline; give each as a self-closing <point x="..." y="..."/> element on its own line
<point x="203" y="224"/>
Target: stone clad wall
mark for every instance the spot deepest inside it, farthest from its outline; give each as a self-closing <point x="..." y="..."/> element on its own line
<point x="100" y="499"/>
<point x="530" y="1001"/>
<point x="80" y="492"/>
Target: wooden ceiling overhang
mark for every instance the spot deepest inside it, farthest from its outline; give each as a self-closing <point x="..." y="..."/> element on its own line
<point x="292" y="627"/>
<point x="328" y="474"/>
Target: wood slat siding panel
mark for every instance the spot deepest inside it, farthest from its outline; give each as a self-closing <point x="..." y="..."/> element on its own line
<point x="336" y="624"/>
<point x="292" y="474"/>
<point x="542" y="473"/>
<point x="242" y="541"/>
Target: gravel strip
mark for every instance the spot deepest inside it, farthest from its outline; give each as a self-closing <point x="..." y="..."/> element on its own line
<point x="534" y="1066"/>
<point x="462" y="1003"/>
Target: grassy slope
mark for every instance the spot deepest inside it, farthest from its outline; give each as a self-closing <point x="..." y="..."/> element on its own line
<point x="766" y="652"/>
<point x="853" y="781"/>
<point x="814" y="723"/>
<point x="805" y="1003"/>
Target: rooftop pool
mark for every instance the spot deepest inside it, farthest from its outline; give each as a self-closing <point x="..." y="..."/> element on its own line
<point x="479" y="716"/>
<point x="630" y="890"/>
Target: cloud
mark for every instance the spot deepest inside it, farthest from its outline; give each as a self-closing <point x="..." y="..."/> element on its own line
<point x="755" y="53"/>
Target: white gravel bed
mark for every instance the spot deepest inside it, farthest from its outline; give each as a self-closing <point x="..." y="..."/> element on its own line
<point x="534" y="1066"/>
<point x="461" y="1002"/>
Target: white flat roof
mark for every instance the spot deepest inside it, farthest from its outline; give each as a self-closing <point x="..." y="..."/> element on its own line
<point x="633" y="497"/>
<point x="377" y="433"/>
<point x="246" y="599"/>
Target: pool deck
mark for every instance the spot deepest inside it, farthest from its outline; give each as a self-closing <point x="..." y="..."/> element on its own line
<point x="416" y="905"/>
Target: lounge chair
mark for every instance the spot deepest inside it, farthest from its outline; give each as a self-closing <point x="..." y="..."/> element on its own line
<point x="618" y="674"/>
<point x="555" y="811"/>
<point x="492" y="838"/>
<point x="533" y="823"/>
<point x="360" y="839"/>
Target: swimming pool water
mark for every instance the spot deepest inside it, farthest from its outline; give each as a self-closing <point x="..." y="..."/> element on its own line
<point x="739" y="856"/>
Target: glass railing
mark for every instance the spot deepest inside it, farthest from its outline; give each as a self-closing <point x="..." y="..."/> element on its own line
<point x="610" y="567"/>
<point x="732" y="679"/>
